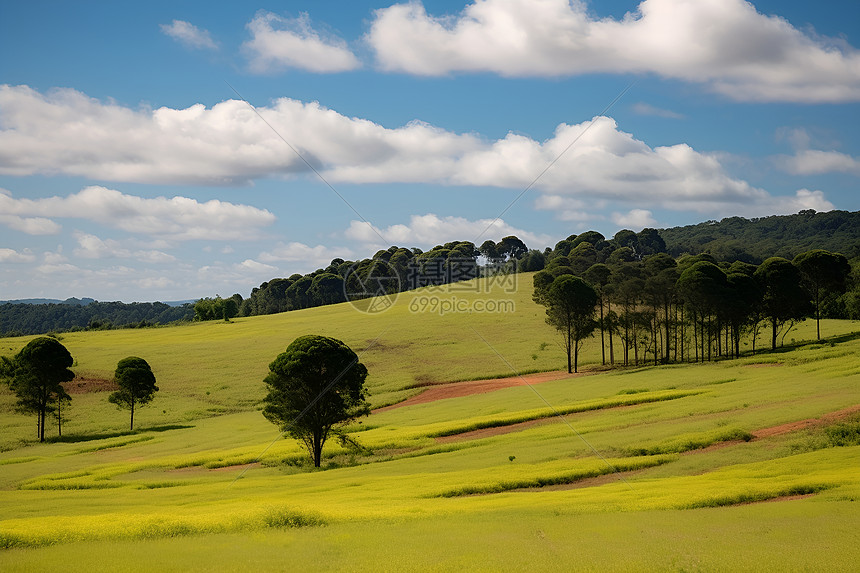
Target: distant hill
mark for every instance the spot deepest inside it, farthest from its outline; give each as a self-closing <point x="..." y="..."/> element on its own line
<point x="72" y="301"/>
<point x="753" y="240"/>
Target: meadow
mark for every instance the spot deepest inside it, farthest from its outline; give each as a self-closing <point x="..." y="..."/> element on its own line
<point x="745" y="464"/>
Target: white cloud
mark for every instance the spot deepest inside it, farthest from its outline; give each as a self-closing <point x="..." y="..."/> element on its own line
<point x="176" y="218"/>
<point x="189" y="35"/>
<point x="725" y="44"/>
<point x="815" y="162"/>
<point x="635" y="219"/>
<point x="13" y="256"/>
<point x="256" y="267"/>
<point x="642" y="108"/>
<point x="92" y="247"/>
<point x="30" y="225"/>
<point x="277" y="43"/>
<point x="430" y="230"/>
<point x="66" y="132"/>
<point x="302" y="258"/>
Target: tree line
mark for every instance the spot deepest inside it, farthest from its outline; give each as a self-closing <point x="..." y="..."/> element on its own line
<point x="17" y="319"/>
<point x="36" y="375"/>
<point x="650" y="308"/>
<point x="396" y="269"/>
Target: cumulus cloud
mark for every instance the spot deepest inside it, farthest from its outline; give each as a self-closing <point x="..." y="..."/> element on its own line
<point x="430" y="230"/>
<point x="13" y="256"/>
<point x="69" y="133"/>
<point x="93" y="247"/>
<point x="724" y="44"/>
<point x="302" y="258"/>
<point x="177" y="218"/>
<point x="816" y="162"/>
<point x="277" y="43"/>
<point x="189" y="35"/>
<point x="635" y="219"/>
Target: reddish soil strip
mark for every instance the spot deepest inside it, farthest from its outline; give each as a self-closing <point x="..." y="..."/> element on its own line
<point x="470" y="387"/>
<point x="86" y="384"/>
<point x="808" y="423"/>
<point x="496" y="431"/>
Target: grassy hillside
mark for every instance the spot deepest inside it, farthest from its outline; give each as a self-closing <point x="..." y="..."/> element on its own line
<point x="650" y="468"/>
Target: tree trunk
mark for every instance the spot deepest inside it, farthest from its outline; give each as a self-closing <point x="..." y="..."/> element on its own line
<point x="773" y="340"/>
<point x="132" y="417"/>
<point x="602" y="341"/>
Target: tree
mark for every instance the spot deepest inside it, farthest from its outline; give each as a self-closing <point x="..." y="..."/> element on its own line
<point x="315" y="387"/>
<point x="823" y="272"/>
<point x="511" y="248"/>
<point x="136" y="385"/>
<point x="570" y="309"/>
<point x="36" y="375"/>
<point x="783" y="297"/>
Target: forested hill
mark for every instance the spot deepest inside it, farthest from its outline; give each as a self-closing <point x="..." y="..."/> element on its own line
<point x="41" y="318"/>
<point x="753" y="240"/>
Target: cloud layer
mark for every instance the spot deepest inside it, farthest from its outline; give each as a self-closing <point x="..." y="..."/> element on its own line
<point x="176" y="218"/>
<point x="724" y="44"/>
<point x="65" y="132"/>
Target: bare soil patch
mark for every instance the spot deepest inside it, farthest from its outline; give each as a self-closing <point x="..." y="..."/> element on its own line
<point x="470" y="387"/>
<point x="824" y="420"/>
<point x="87" y="384"/>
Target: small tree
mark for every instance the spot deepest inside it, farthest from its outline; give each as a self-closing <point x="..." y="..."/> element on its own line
<point x="315" y="387"/>
<point x="136" y="385"/>
<point x="36" y="375"/>
<point x="570" y="309"/>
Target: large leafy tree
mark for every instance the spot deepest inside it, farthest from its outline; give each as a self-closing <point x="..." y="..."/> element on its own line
<point x="783" y="298"/>
<point x="315" y="387"/>
<point x="570" y="304"/>
<point x="136" y="385"/>
<point x="36" y="375"/>
<point x="823" y="272"/>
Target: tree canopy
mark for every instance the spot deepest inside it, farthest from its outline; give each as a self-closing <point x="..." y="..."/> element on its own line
<point x="136" y="385"/>
<point x="36" y="375"/>
<point x="315" y="387"/>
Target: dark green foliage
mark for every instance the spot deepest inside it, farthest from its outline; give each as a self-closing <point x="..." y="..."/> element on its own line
<point x="753" y="240"/>
<point x="570" y="303"/>
<point x="315" y="387"/>
<point x="23" y="319"/>
<point x="783" y="298"/>
<point x="823" y="273"/>
<point x="136" y="385"/>
<point x="36" y="375"/>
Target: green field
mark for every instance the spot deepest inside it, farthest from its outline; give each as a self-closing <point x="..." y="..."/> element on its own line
<point x="682" y="467"/>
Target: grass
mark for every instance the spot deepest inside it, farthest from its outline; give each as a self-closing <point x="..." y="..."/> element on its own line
<point x="647" y="468"/>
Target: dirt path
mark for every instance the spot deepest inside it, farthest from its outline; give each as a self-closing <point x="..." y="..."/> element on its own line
<point x="470" y="387"/>
<point x="807" y="423"/>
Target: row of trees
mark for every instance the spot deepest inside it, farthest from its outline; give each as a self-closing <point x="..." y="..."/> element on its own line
<point x="37" y="373"/>
<point x="689" y="309"/>
<point x="25" y="319"/>
<point x="396" y="269"/>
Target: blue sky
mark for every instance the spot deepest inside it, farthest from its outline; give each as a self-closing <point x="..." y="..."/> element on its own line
<point x="146" y="149"/>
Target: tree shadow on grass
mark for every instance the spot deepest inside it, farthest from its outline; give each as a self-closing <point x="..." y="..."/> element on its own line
<point x="76" y="438"/>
